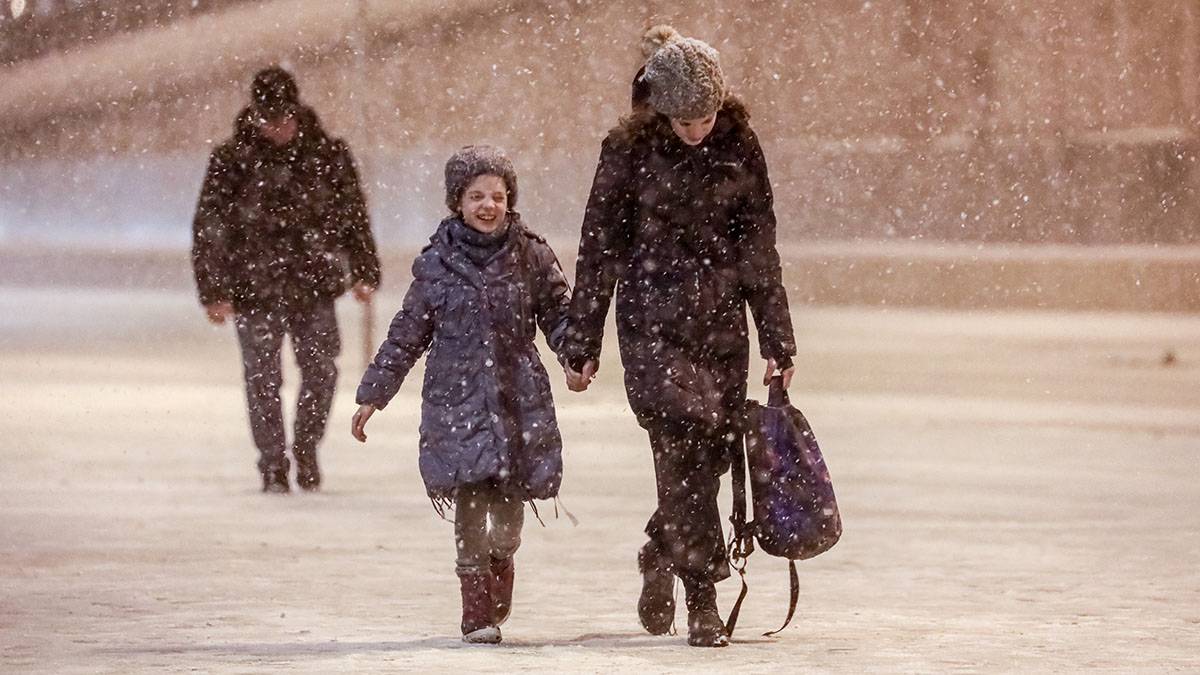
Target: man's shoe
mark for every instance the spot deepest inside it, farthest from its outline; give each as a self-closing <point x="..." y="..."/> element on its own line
<point x="276" y="481"/>
<point x="308" y="481"/>
<point x="308" y="474"/>
<point x="656" y="604"/>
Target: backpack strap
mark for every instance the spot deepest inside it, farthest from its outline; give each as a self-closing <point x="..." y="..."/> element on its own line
<point x="741" y="541"/>
<point x="731" y="622"/>
<point x="741" y="544"/>
<point x="795" y="581"/>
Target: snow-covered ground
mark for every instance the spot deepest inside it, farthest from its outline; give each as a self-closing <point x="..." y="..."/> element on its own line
<point x="1020" y="492"/>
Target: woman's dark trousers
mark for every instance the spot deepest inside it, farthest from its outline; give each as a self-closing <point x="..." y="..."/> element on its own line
<point x="686" y="537"/>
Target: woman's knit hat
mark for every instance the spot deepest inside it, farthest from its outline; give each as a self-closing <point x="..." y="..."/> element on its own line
<point x="684" y="74"/>
<point x="472" y="161"/>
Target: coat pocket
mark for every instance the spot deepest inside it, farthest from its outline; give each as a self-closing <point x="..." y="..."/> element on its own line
<point x="674" y="391"/>
<point x="453" y="313"/>
<point x="449" y="377"/>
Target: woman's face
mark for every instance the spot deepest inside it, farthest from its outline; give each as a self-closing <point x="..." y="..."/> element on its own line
<point x="484" y="203"/>
<point x="693" y="132"/>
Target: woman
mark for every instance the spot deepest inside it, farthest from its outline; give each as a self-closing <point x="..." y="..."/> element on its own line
<point x="680" y="221"/>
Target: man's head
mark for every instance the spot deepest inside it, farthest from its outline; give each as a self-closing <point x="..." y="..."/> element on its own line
<point x="274" y="101"/>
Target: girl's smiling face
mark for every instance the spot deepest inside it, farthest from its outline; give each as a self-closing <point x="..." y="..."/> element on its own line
<point x="484" y="203"/>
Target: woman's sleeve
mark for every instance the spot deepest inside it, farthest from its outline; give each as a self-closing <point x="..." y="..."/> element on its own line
<point x="409" y="335"/>
<point x="760" y="271"/>
<point x="603" y="248"/>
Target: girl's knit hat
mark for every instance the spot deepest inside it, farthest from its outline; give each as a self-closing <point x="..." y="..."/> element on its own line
<point x="473" y="161"/>
<point x="684" y="74"/>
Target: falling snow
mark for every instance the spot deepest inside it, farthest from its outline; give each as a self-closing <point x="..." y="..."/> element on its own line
<point x="973" y="223"/>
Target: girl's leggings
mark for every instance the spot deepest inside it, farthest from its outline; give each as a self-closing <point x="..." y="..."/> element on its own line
<point x="487" y="525"/>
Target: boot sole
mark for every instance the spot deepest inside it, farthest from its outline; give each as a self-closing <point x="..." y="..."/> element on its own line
<point x="489" y="635"/>
<point x="720" y="642"/>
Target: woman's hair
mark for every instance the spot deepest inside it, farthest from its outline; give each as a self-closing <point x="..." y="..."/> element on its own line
<point x="645" y="123"/>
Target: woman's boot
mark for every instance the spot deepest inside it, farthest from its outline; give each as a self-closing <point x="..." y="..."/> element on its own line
<point x="656" y="604"/>
<point x="477" y="608"/>
<point x="502" y="589"/>
<point x="705" y="628"/>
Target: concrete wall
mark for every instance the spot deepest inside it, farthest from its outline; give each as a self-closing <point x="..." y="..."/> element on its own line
<point x="977" y="120"/>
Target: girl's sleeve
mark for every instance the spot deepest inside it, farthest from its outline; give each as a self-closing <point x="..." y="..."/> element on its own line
<point x="409" y="335"/>
<point x="603" y="248"/>
<point x="760" y="270"/>
<point x="554" y="299"/>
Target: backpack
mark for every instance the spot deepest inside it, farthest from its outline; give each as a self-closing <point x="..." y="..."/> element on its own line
<point x="795" y="512"/>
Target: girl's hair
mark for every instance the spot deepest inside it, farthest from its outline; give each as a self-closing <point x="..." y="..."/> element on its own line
<point x="472" y="161"/>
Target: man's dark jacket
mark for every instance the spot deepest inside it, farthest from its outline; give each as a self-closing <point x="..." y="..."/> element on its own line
<point x="281" y="226"/>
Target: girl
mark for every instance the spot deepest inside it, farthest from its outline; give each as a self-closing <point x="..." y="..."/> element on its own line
<point x="680" y="221"/>
<point x="489" y="437"/>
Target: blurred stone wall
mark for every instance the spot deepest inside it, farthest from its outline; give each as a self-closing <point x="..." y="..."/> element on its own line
<point x="978" y="120"/>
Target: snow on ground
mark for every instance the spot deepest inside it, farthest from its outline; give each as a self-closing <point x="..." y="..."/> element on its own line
<point x="1019" y="492"/>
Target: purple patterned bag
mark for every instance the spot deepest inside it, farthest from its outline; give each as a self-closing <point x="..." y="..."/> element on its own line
<point x="795" y="512"/>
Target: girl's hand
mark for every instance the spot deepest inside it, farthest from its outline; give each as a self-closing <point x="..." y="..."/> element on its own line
<point x="579" y="380"/>
<point x="358" y="425"/>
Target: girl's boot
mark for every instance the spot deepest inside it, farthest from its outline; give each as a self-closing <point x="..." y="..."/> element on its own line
<point x="477" y="608"/>
<point x="502" y="589"/>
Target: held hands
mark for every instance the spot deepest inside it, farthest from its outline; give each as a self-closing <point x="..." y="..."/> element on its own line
<point x="579" y="380"/>
<point x="219" y="312"/>
<point x="358" y="424"/>
<point x="787" y="373"/>
<point x="362" y="292"/>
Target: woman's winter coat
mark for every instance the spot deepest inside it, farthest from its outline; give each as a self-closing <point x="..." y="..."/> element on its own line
<point x="281" y="225"/>
<point x="686" y="235"/>
<point x="487" y="412"/>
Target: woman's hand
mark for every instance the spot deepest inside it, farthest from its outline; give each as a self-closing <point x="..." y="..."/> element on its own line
<point x="359" y="424"/>
<point x="787" y="373"/>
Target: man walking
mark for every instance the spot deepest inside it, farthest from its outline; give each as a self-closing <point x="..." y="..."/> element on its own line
<point x="281" y="231"/>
